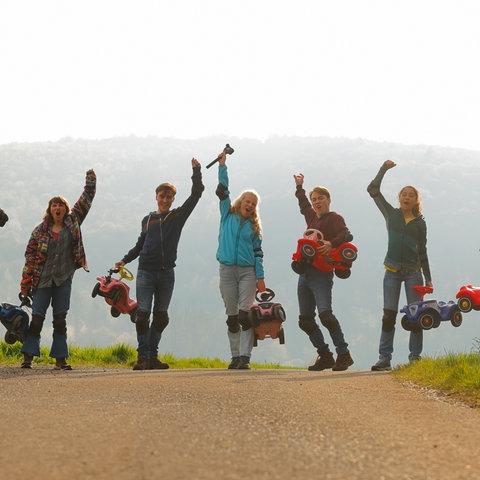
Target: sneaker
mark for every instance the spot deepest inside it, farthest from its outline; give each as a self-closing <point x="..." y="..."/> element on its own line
<point x="142" y="364"/>
<point x="234" y="364"/>
<point x="156" y="364"/>
<point x="344" y="360"/>
<point x="27" y="361"/>
<point x="323" y="362"/>
<point x="382" y="366"/>
<point x="244" y="363"/>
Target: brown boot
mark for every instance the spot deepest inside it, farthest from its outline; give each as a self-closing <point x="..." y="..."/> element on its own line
<point x="324" y="361"/>
<point x="27" y="361"/>
<point x="344" y="360"/>
<point x="142" y="364"/>
<point x="156" y="364"/>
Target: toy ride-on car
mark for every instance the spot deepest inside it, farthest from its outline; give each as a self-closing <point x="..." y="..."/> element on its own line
<point x="427" y="314"/>
<point x="267" y="317"/>
<point x="116" y="292"/>
<point x="15" y="319"/>
<point x="468" y="298"/>
<point x="339" y="259"/>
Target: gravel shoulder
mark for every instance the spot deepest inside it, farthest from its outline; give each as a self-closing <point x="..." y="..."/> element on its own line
<point x="95" y="423"/>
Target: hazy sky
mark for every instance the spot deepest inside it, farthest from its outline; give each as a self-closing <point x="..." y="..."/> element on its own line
<point x="403" y="71"/>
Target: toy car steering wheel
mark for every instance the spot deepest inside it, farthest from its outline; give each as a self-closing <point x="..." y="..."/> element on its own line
<point x="265" y="296"/>
<point x="125" y="273"/>
<point x="313" y="234"/>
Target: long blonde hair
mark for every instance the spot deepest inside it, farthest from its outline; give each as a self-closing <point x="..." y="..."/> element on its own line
<point x="255" y="218"/>
<point x="417" y="209"/>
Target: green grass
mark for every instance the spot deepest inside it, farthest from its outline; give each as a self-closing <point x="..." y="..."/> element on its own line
<point x="116" y="356"/>
<point x="456" y="375"/>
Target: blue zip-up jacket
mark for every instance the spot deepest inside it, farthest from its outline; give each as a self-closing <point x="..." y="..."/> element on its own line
<point x="238" y="244"/>
<point x="157" y="244"/>
<point x="407" y="242"/>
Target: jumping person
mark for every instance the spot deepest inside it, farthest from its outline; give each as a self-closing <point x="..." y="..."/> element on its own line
<point x="55" y="250"/>
<point x="156" y="249"/>
<point x="404" y="262"/>
<point x="3" y="218"/>
<point x="240" y="258"/>
<point x="314" y="288"/>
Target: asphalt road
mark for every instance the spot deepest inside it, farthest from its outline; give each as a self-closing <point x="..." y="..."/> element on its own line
<point x="93" y="423"/>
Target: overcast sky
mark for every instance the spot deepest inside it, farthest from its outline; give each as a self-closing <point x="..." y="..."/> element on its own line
<point x="403" y="71"/>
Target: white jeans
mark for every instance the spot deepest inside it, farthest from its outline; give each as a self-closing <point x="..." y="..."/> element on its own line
<point x="238" y="286"/>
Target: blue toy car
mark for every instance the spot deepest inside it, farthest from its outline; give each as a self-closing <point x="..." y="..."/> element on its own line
<point x="427" y="314"/>
<point x="15" y="319"/>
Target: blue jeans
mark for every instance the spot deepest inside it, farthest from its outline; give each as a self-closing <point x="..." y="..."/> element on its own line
<point x="59" y="297"/>
<point x="392" y="285"/>
<point x="314" y="290"/>
<point x="154" y="287"/>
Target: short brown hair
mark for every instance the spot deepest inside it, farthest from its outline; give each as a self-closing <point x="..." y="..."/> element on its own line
<point x="166" y="186"/>
<point x="56" y="199"/>
<point x="320" y="191"/>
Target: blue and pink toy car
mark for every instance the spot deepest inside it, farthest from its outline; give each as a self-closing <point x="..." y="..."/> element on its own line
<point x="427" y="314"/>
<point x="339" y="260"/>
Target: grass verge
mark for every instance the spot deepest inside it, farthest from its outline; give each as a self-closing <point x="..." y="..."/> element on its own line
<point x="455" y="375"/>
<point x="116" y="356"/>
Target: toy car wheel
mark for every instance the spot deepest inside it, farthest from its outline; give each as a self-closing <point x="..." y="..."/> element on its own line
<point x="464" y="304"/>
<point x="307" y="250"/>
<point x="281" y="336"/>
<point x="115" y="313"/>
<point x="456" y="318"/>
<point x="279" y="313"/>
<point x="426" y="320"/>
<point x="117" y="296"/>
<point x="349" y="254"/>
<point x="299" y="267"/>
<point x="10" y="338"/>
<point x="95" y="290"/>
<point x="133" y="316"/>
<point x="254" y="317"/>
<point x="343" y="274"/>
<point x="436" y="322"/>
<point x="255" y="339"/>
<point x="405" y="323"/>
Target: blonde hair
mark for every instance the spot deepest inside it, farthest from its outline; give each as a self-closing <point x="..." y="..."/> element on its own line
<point x="417" y="209"/>
<point x="255" y="218"/>
<point x="57" y="199"/>
<point x="320" y="191"/>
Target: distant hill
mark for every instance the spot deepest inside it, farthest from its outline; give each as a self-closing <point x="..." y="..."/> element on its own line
<point x="129" y="169"/>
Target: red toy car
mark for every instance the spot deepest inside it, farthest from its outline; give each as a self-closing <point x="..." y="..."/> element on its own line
<point x="116" y="292"/>
<point x="267" y="317"/>
<point x="468" y="298"/>
<point x="339" y="260"/>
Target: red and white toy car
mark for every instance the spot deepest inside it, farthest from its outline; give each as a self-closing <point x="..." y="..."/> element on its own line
<point x="468" y="298"/>
<point x="267" y="317"/>
<point x="116" y="292"/>
<point x="339" y="259"/>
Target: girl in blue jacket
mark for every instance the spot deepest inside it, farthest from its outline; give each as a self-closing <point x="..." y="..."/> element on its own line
<point x="241" y="264"/>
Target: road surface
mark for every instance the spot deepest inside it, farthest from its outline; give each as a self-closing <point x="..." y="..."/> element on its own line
<point x="202" y="424"/>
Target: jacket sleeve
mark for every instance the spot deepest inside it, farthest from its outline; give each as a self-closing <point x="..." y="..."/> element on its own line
<point x="374" y="190"/>
<point x="222" y="191"/>
<point x="422" y="254"/>
<point x="196" y="192"/>
<point x="135" y="251"/>
<point x="306" y="208"/>
<point x="29" y="267"/>
<point x="84" y="203"/>
<point x="258" y="254"/>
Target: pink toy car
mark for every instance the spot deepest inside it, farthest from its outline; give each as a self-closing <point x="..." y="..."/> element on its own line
<point x="116" y="292"/>
<point x="468" y="298"/>
<point x="339" y="260"/>
<point x="267" y="317"/>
